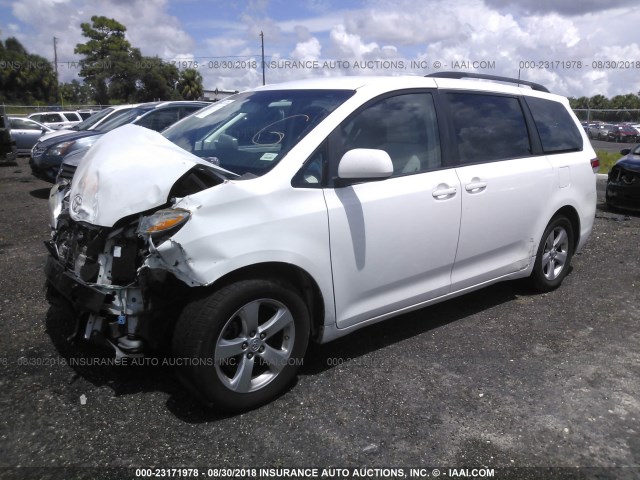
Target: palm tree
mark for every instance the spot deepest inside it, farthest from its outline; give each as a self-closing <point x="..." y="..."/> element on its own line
<point x="190" y="84"/>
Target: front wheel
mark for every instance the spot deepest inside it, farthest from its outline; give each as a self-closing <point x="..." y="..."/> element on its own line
<point x="242" y="345"/>
<point x="554" y="255"/>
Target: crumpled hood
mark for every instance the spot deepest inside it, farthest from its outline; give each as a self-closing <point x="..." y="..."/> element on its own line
<point x="129" y="170"/>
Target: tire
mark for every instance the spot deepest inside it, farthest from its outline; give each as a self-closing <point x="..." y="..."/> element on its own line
<point x="609" y="203"/>
<point x="554" y="255"/>
<point x="241" y="346"/>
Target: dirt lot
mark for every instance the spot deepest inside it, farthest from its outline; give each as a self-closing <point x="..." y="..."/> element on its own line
<point x="501" y="378"/>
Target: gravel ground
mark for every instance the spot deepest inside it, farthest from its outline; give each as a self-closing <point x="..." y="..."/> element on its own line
<point x="502" y="378"/>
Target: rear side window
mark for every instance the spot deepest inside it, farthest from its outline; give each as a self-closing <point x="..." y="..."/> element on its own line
<point x="558" y="132"/>
<point x="73" y="117"/>
<point x="488" y="127"/>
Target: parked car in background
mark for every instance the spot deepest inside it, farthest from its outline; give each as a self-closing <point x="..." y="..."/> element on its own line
<point x="26" y="132"/>
<point x="94" y="121"/>
<point x="594" y="128"/>
<point x="622" y="133"/>
<point x="56" y="120"/>
<point x="585" y="126"/>
<point x="623" y="181"/>
<point x="304" y="211"/>
<point x="8" y="151"/>
<point x="603" y="131"/>
<point x="47" y="154"/>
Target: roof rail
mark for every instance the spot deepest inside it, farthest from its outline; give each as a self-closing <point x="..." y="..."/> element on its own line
<point x="534" y="86"/>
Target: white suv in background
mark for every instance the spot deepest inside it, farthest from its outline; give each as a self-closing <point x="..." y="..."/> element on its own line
<point x="307" y="210"/>
<point x="56" y="120"/>
<point x="94" y="121"/>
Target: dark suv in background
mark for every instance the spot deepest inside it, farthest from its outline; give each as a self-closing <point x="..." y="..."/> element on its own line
<point x="47" y="155"/>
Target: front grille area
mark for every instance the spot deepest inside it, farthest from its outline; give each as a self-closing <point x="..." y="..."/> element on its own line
<point x="78" y="248"/>
<point x="67" y="171"/>
<point x="624" y="176"/>
<point x="84" y="249"/>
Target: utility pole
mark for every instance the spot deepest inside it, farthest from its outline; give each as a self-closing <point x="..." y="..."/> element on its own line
<point x="55" y="64"/>
<point x="262" y="40"/>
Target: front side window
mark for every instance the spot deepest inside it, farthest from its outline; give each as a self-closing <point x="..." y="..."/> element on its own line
<point x="488" y="127"/>
<point x="404" y="126"/>
<point x="22" y="124"/>
<point x="249" y="133"/>
<point x="558" y="132"/>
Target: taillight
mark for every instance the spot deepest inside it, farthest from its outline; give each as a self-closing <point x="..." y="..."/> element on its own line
<point x="595" y="165"/>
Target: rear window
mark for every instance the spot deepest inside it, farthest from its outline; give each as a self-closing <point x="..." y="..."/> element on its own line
<point x="488" y="127"/>
<point x="558" y="132"/>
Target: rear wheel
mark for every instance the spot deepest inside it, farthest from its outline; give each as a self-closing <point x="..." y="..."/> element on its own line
<point x="242" y="345"/>
<point x="554" y="255"/>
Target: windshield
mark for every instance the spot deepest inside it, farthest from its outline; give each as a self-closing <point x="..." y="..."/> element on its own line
<point x="127" y="117"/>
<point x="251" y="132"/>
<point x="93" y="119"/>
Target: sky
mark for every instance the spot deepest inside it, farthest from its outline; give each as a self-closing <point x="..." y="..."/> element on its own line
<point x="575" y="48"/>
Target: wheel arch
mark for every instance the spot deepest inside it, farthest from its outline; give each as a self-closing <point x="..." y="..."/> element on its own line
<point x="571" y="214"/>
<point x="297" y="277"/>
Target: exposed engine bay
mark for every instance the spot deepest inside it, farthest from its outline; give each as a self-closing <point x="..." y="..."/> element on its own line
<point x="121" y="302"/>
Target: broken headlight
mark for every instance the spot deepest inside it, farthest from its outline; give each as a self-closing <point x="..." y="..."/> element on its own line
<point x="163" y="223"/>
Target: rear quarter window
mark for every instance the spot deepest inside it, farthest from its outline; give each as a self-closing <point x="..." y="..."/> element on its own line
<point x="488" y="127"/>
<point x="558" y="132"/>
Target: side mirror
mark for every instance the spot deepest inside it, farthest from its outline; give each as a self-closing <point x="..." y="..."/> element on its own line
<point x="625" y="151"/>
<point x="362" y="164"/>
<point x="225" y="141"/>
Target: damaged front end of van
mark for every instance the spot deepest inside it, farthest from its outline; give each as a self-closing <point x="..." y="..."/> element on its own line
<point x="113" y="251"/>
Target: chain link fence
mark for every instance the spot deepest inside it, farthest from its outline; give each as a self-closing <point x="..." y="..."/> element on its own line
<point x="608" y="115"/>
<point x="24" y="110"/>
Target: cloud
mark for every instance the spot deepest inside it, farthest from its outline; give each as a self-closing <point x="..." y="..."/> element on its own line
<point x="512" y="35"/>
<point x="408" y="25"/>
<point x="350" y="45"/>
<point x="582" y="7"/>
<point x="309" y="50"/>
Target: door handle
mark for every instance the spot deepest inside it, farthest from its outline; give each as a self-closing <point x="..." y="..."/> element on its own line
<point x="475" y="186"/>
<point x="443" y="191"/>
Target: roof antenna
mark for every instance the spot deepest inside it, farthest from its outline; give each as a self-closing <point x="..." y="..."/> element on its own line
<point x="519" y="77"/>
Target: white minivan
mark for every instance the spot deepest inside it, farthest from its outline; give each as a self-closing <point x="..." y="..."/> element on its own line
<point x="304" y="211"/>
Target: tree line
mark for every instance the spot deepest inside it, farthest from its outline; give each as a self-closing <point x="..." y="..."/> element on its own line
<point x="111" y="69"/>
<point x="595" y="107"/>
